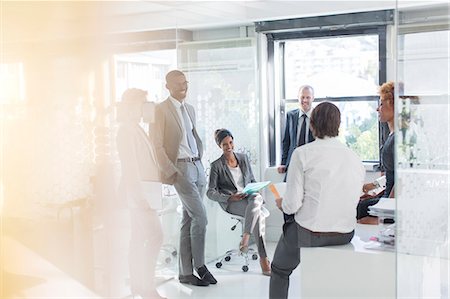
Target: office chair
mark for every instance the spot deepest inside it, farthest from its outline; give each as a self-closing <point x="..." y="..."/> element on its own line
<point x="236" y="252"/>
<point x="172" y="210"/>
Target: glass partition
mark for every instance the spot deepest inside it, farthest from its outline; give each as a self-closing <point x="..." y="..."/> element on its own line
<point x="222" y="88"/>
<point x="62" y="215"/>
<point x="422" y="151"/>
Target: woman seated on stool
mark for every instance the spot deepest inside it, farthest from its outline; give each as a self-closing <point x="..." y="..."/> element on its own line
<point x="229" y="175"/>
<point x="386" y="114"/>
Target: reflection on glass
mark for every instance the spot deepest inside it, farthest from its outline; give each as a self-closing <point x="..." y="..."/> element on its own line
<point x="11" y="83"/>
<point x="144" y="70"/>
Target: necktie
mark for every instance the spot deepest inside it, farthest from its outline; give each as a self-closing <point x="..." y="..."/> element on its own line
<point x="301" y="139"/>
<point x="190" y="136"/>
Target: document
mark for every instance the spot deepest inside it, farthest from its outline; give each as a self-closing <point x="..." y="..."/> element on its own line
<point x="255" y="187"/>
<point x="381" y="181"/>
<point x="385" y="208"/>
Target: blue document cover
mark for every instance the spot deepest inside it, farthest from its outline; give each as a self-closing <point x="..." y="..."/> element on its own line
<point x="255" y="187"/>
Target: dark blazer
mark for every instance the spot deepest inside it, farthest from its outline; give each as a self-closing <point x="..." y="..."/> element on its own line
<point x="221" y="183"/>
<point x="166" y="133"/>
<point x="290" y="136"/>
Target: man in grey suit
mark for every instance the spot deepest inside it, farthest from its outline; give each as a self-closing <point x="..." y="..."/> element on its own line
<point x="179" y="151"/>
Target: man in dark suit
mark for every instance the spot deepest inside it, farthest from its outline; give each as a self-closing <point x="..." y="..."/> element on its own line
<point x="297" y="131"/>
<point x="179" y="151"/>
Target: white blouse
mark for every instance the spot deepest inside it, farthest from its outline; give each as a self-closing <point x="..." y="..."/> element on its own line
<point x="237" y="177"/>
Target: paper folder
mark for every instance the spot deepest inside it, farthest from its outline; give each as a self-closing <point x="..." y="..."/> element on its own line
<point x="255" y="187"/>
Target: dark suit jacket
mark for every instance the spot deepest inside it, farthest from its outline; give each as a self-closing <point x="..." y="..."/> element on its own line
<point x="290" y="136"/>
<point x="221" y="183"/>
<point x="166" y="133"/>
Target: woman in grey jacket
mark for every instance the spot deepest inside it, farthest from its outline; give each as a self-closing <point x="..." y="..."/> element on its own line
<point x="229" y="175"/>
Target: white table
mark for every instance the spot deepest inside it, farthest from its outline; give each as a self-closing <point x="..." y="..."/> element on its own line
<point x="348" y="271"/>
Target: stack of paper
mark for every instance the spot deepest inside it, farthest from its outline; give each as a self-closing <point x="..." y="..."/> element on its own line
<point x="385" y="208"/>
<point x="385" y="240"/>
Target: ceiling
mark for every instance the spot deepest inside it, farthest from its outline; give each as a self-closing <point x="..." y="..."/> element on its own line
<point x="37" y="20"/>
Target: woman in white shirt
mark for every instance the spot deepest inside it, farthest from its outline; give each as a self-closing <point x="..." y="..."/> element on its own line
<point x="323" y="187"/>
<point x="138" y="166"/>
<point x="228" y="177"/>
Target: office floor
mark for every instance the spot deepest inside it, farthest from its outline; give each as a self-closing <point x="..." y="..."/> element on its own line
<point x="36" y="276"/>
<point x="232" y="282"/>
<point x="45" y="280"/>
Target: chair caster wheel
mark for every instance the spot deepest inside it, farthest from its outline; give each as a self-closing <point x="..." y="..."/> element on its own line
<point x="245" y="268"/>
<point x="227" y="258"/>
<point x="218" y="265"/>
<point x="174" y="253"/>
<point x="254" y="257"/>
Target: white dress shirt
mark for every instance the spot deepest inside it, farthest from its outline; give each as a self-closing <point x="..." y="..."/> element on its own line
<point x="300" y="122"/>
<point x="184" y="151"/>
<point x="323" y="186"/>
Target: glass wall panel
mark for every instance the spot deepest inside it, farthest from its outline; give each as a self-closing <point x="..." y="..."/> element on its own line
<point x="144" y="70"/>
<point x="61" y="212"/>
<point x="222" y="88"/>
<point x="422" y="151"/>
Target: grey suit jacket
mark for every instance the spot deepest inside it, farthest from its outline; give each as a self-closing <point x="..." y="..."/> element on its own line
<point x="167" y="133"/>
<point x="221" y="183"/>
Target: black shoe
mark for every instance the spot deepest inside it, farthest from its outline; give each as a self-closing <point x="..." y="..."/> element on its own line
<point x="194" y="280"/>
<point x="205" y="275"/>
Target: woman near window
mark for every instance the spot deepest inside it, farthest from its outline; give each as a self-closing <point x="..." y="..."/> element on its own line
<point x="385" y="115"/>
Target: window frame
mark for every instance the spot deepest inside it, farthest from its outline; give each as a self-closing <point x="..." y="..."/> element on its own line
<point x="278" y="32"/>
